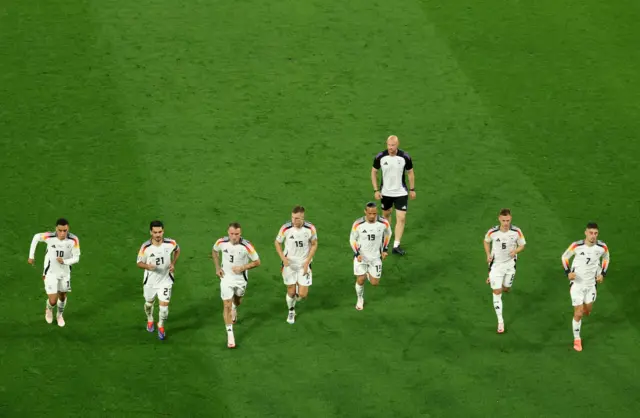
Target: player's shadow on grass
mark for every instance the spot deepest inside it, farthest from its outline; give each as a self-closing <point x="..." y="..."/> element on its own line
<point x="195" y="316"/>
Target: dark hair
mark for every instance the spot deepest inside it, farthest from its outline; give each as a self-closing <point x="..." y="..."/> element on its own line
<point x="592" y="225"/>
<point x="505" y="212"/>
<point x="298" y="209"/>
<point x="371" y="205"/>
<point x="62" y="222"/>
<point x="234" y="225"/>
<point x="155" y="224"/>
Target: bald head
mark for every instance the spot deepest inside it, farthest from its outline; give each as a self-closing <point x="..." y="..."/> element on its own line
<point x="392" y="144"/>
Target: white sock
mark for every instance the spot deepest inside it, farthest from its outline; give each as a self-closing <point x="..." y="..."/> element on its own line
<point x="148" y="309"/>
<point x="291" y="302"/>
<point x="50" y="307"/>
<point x="576" y="328"/>
<point x="164" y="313"/>
<point x="396" y="244"/>
<point x="61" y="305"/>
<point x="360" y="291"/>
<point x="229" y="328"/>
<point x="497" y="305"/>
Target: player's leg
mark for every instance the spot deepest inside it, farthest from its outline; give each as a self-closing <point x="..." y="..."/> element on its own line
<point x="164" y="296"/>
<point x="51" y="289"/>
<point x="577" y="300"/>
<point x="64" y="287"/>
<point x="496" y="280"/>
<point x="62" y="303"/>
<point x="237" y="300"/>
<point x="228" y="321"/>
<point x="507" y="282"/>
<point x="302" y="290"/>
<point x="374" y="272"/>
<point x="360" y="271"/>
<point x="149" y="294"/>
<point x="290" y="280"/>
<point x="387" y="207"/>
<point x="591" y="295"/>
<point x="400" y="204"/>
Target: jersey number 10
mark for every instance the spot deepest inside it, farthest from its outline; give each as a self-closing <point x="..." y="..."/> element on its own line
<point x="59" y="253"/>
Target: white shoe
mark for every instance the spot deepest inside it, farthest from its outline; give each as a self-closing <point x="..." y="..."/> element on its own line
<point x="231" y="340"/>
<point x="500" y="327"/>
<point x="48" y="316"/>
<point x="60" y="321"/>
<point x="360" y="304"/>
<point x="291" y="318"/>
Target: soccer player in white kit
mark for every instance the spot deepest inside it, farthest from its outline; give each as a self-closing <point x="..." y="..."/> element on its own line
<point x="300" y="244"/>
<point x="238" y="256"/>
<point x="584" y="274"/>
<point x="502" y="244"/>
<point x="63" y="251"/>
<point x="158" y="257"/>
<point x="369" y="241"/>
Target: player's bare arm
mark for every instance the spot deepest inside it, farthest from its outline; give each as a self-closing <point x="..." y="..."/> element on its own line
<point x="313" y="246"/>
<point x="285" y="260"/>
<point x="487" y="251"/>
<point x="174" y="259"/>
<point x="374" y="183"/>
<point x="518" y="250"/>
<point x="412" y="184"/>
<point x="216" y="263"/>
<point x="146" y="266"/>
<point x="245" y="267"/>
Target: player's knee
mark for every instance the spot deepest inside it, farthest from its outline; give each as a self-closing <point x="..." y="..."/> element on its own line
<point x="374" y="282"/>
<point x="506" y="289"/>
<point x="497" y="291"/>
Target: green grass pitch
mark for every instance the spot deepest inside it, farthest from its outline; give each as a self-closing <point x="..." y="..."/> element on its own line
<point x="113" y="113"/>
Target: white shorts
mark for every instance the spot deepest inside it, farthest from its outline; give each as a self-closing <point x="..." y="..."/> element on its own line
<point x="232" y="287"/>
<point x="55" y="284"/>
<point x="372" y="267"/>
<point x="501" y="276"/>
<point x="295" y="275"/>
<point x="582" y="294"/>
<point x="163" y="292"/>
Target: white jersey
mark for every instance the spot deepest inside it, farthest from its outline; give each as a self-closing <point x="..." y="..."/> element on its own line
<point x="235" y="255"/>
<point x="297" y="242"/>
<point x="503" y="242"/>
<point x="68" y="249"/>
<point x="160" y="257"/>
<point x="393" y="169"/>
<point x="586" y="263"/>
<point x="370" y="239"/>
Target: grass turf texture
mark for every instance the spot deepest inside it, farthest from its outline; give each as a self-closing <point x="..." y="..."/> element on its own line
<point x="115" y="113"/>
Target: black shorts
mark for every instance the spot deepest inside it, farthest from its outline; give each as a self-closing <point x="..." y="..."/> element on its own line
<point x="400" y="202"/>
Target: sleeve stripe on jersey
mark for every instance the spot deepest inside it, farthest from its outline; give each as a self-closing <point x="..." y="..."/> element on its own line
<point x="48" y="235"/>
<point x="310" y="226"/>
<point x="516" y="229"/>
<point x="357" y="223"/>
<point x="492" y="230"/>
<point x="248" y="246"/>
<point x="285" y="228"/>
<point x="144" y="246"/>
<point x="221" y="240"/>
